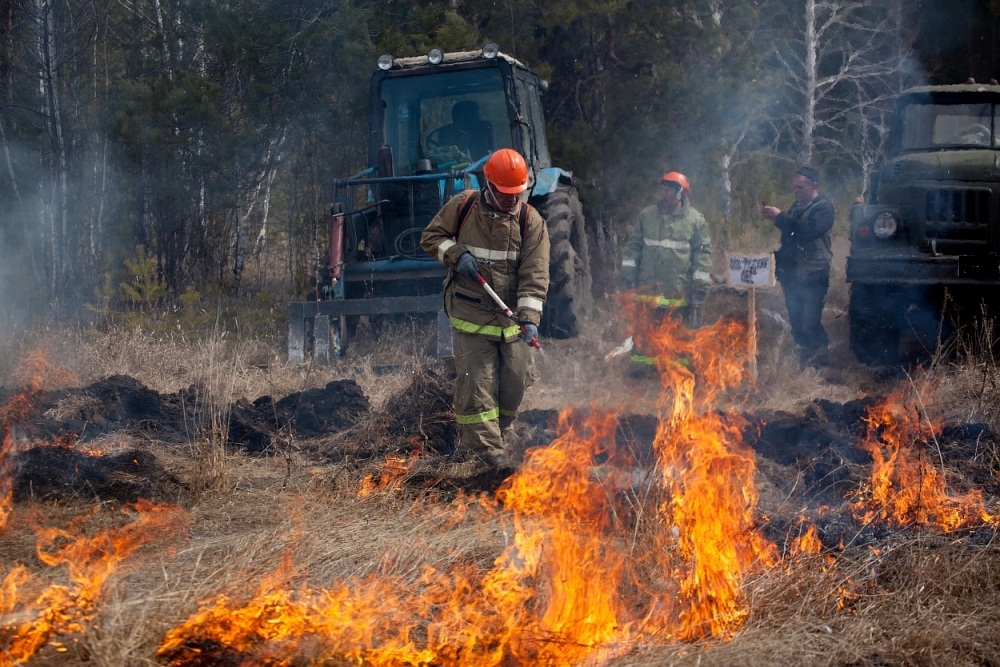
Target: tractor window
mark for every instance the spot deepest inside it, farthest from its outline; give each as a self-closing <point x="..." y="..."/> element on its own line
<point x="940" y="125"/>
<point x="449" y="118"/>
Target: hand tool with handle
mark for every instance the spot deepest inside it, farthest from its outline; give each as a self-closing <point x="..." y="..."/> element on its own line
<point x="506" y="311"/>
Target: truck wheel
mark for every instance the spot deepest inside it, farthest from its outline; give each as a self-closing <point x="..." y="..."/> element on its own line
<point x="569" y="298"/>
<point x="874" y="325"/>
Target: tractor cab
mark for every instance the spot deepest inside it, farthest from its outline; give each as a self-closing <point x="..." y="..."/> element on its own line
<point x="448" y="111"/>
<point x="434" y="120"/>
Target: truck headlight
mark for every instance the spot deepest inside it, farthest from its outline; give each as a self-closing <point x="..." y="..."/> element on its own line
<point x="490" y="50"/>
<point x="885" y="225"/>
<point x="435" y="56"/>
<point x="385" y="61"/>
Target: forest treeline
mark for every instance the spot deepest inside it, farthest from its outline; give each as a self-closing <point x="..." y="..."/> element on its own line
<point x="205" y="134"/>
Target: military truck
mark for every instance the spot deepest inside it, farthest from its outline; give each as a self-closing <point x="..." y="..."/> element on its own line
<point x="925" y="247"/>
<point x="433" y="122"/>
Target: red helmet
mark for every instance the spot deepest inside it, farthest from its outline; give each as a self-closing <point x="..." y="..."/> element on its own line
<point x="678" y="178"/>
<point x="507" y="171"/>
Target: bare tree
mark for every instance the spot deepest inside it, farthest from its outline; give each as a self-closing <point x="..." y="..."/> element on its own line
<point x="253" y="189"/>
<point x="838" y="67"/>
<point x="55" y="213"/>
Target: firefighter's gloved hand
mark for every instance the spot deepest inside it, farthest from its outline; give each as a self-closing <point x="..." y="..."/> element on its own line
<point x="530" y="332"/>
<point x="695" y="301"/>
<point x="467" y="266"/>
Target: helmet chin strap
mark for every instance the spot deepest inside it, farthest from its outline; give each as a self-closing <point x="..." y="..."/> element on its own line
<point x="491" y="199"/>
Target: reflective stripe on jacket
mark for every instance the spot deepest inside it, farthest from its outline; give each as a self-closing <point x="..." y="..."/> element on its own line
<point x="517" y="269"/>
<point x="669" y="253"/>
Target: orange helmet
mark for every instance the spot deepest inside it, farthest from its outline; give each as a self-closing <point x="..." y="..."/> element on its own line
<point x="678" y="178"/>
<point x="507" y="171"/>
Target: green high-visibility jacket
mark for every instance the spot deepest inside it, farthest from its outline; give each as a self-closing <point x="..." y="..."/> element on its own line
<point x="668" y="253"/>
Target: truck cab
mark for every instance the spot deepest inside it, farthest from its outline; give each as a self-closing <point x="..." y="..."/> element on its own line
<point x="925" y="247"/>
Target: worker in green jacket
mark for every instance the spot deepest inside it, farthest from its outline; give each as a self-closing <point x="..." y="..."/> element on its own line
<point x="668" y="255"/>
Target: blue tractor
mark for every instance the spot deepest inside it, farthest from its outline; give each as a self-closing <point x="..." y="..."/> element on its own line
<point x="434" y="120"/>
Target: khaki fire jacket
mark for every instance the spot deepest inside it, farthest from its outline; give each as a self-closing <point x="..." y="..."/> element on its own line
<point x="668" y="254"/>
<point x="516" y="268"/>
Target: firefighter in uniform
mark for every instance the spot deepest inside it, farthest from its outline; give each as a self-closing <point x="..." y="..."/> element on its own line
<point x="505" y="240"/>
<point x="667" y="258"/>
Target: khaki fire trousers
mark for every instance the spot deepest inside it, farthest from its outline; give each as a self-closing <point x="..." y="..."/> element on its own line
<point x="492" y="379"/>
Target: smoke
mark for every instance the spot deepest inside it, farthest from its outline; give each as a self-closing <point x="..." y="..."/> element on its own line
<point x="22" y="283"/>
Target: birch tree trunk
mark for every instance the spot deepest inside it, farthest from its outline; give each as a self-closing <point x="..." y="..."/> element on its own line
<point x="843" y="66"/>
<point x="57" y="214"/>
<point x="811" y="87"/>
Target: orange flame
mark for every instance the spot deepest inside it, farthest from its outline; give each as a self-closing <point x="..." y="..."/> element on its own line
<point x="706" y="469"/>
<point x="807" y="542"/>
<point x="391" y="476"/>
<point x="32" y="616"/>
<point x="907" y="488"/>
<point x="593" y="566"/>
<point x="37" y="375"/>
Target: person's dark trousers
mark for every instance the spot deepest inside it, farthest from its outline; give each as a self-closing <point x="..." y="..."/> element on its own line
<point x="804" y="301"/>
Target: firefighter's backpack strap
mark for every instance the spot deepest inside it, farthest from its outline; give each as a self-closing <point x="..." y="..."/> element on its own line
<point x="522" y="218"/>
<point x="463" y="213"/>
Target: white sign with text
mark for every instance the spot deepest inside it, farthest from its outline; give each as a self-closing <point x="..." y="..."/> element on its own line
<point x="751" y="270"/>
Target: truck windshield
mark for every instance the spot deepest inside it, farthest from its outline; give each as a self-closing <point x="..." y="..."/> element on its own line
<point x="447" y="118"/>
<point x="927" y="126"/>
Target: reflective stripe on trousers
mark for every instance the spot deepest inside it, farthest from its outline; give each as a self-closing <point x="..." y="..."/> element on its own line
<point x="492" y="379"/>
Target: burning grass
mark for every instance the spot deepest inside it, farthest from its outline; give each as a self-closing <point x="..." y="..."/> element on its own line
<point x="738" y="547"/>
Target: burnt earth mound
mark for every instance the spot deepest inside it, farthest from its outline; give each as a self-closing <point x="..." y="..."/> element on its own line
<point x="422" y="413"/>
<point x="313" y="413"/>
<point x="417" y="420"/>
<point x="50" y="459"/>
<point x="114" y="404"/>
<point x="51" y="472"/>
<point x="815" y="458"/>
<point x="120" y="403"/>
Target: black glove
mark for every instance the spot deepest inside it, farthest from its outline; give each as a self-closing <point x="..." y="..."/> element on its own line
<point x="467" y="266"/>
<point x="695" y="302"/>
<point x="530" y="332"/>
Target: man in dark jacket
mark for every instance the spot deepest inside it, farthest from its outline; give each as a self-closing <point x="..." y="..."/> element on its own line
<point x="802" y="263"/>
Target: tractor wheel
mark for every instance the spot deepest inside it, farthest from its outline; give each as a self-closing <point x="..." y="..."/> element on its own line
<point x="569" y="298"/>
<point x="874" y="324"/>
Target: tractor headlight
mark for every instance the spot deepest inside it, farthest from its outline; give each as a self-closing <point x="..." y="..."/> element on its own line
<point x="385" y="61"/>
<point x="490" y="50"/>
<point x="885" y="225"/>
<point x="435" y="56"/>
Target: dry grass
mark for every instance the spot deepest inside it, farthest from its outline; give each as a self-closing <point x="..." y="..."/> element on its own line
<point x="920" y="599"/>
